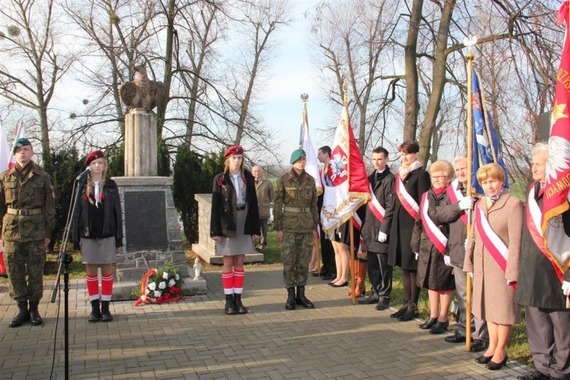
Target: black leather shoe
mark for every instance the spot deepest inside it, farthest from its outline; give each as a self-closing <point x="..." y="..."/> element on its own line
<point x="478" y="345"/>
<point x="410" y="313"/>
<point x="455" y="338"/>
<point x="428" y="324"/>
<point x="368" y="300"/>
<point x="482" y="359"/>
<point x="400" y="311"/>
<point x="382" y="305"/>
<point x="338" y="285"/>
<point x="492" y="366"/>
<point x="536" y="375"/>
<point x="35" y="318"/>
<point x="329" y="276"/>
<point x="439" y="327"/>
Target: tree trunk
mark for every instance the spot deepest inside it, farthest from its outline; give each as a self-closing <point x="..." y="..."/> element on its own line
<point x="411" y="72"/>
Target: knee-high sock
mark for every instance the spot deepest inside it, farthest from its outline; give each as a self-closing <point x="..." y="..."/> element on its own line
<point x="92" y="287"/>
<point x="228" y="282"/>
<point x="106" y="287"/>
<point x="239" y="279"/>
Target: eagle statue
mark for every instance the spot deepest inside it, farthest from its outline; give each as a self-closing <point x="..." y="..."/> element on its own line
<point x="141" y="92"/>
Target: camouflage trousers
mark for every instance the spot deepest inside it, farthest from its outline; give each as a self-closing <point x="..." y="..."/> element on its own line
<point x="296" y="254"/>
<point x="25" y="269"/>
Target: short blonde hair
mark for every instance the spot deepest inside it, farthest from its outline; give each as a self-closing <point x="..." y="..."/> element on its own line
<point x="442" y="166"/>
<point x="492" y="170"/>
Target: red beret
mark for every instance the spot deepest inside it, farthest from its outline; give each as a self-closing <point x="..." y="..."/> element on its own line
<point x="96" y="154"/>
<point x="233" y="150"/>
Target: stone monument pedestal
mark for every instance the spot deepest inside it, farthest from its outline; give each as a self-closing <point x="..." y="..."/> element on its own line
<point x="152" y="235"/>
<point x="206" y="248"/>
<point x="140" y="143"/>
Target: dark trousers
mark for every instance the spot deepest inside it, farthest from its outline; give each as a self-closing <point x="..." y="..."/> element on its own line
<point x="380" y="274"/>
<point x="327" y="255"/>
<point x="548" y="333"/>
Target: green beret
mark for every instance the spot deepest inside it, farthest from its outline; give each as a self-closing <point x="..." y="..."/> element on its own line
<point x="22" y="141"/>
<point x="296" y="155"/>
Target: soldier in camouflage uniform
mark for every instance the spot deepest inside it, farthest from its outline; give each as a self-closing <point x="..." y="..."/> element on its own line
<point x="27" y="210"/>
<point x="296" y="219"/>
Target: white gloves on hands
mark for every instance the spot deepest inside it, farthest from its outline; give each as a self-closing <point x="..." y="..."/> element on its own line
<point x="447" y="260"/>
<point x="417" y="255"/>
<point x="466" y="203"/>
<point x="382" y="237"/>
<point x="566" y="288"/>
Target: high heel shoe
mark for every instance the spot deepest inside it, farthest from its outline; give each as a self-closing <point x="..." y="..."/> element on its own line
<point x="482" y="359"/>
<point x="400" y="311"/>
<point x="439" y="327"/>
<point x="496" y="366"/>
<point x="428" y="324"/>
<point x="339" y="285"/>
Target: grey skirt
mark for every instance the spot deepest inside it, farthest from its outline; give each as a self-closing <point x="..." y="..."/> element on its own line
<point x="98" y="251"/>
<point x="240" y="244"/>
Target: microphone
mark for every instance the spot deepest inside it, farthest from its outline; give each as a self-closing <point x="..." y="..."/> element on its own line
<point x="83" y="174"/>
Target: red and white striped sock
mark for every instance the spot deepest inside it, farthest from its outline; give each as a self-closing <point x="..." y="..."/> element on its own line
<point x="106" y="287"/>
<point x="228" y="282"/>
<point x="92" y="283"/>
<point x="239" y="279"/>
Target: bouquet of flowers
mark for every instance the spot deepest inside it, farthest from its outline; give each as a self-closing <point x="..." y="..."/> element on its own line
<point x="160" y="285"/>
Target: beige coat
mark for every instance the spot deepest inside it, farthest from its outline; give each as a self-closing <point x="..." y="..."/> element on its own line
<point x="493" y="299"/>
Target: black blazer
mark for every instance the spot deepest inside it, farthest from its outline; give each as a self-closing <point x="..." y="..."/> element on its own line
<point x="383" y="189"/>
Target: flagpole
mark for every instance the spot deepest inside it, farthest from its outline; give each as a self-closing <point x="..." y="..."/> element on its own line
<point x="469" y="56"/>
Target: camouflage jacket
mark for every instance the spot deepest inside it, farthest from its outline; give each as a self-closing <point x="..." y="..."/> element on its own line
<point x="295" y="205"/>
<point x="27" y="206"/>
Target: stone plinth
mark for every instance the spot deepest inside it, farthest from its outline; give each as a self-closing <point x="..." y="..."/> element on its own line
<point x="152" y="235"/>
<point x="206" y="248"/>
<point x="140" y="143"/>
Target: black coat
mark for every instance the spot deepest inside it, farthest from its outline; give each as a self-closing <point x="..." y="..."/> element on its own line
<point x="400" y="254"/>
<point x="112" y="219"/>
<point x="538" y="285"/>
<point x="224" y="211"/>
<point x="383" y="188"/>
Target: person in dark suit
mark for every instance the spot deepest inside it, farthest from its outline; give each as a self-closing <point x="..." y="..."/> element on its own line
<point x="547" y="315"/>
<point x="375" y="231"/>
<point x="234" y="222"/>
<point x="410" y="183"/>
<point x="328" y="270"/>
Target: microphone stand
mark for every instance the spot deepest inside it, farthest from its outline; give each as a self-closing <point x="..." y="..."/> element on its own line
<point x="64" y="260"/>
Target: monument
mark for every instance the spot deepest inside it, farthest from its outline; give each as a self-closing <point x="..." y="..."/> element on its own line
<point x="152" y="235"/>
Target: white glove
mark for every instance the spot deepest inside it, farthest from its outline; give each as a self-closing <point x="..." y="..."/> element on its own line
<point x="447" y="260"/>
<point x="566" y="288"/>
<point x="382" y="237"/>
<point x="417" y="255"/>
<point x="466" y="203"/>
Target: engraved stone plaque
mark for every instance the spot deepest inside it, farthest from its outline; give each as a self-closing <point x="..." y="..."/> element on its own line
<point x="145" y="220"/>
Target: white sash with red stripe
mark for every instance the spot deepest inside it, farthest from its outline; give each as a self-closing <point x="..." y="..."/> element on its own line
<point x="377" y="210"/>
<point x="533" y="223"/>
<point x="455" y="195"/>
<point x="409" y="203"/>
<point x="437" y="238"/>
<point x="492" y="242"/>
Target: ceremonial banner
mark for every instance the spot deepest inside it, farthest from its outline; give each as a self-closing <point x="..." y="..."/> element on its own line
<point x="5" y="151"/>
<point x="555" y="200"/>
<point x="346" y="187"/>
<point x="486" y="147"/>
<point x="21" y="132"/>
<point x="312" y="166"/>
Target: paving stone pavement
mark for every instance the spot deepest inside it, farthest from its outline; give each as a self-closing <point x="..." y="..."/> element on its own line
<point x="193" y="339"/>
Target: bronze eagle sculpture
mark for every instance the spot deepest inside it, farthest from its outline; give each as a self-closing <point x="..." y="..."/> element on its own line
<point x="141" y="92"/>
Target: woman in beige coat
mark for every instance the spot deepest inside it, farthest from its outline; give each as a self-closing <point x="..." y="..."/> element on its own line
<point x="494" y="266"/>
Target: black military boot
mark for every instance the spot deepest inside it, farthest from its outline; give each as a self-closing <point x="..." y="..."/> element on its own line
<point x="35" y="316"/>
<point x="302" y="300"/>
<point x="239" y="306"/>
<point x="290" y="304"/>
<point x="105" y="313"/>
<point x="22" y="316"/>
<point x="95" y="315"/>
<point x="230" y="307"/>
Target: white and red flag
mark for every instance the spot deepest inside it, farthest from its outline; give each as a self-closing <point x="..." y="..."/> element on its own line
<point x="312" y="166"/>
<point x="346" y="187"/>
<point x="5" y="151"/>
<point x="556" y="193"/>
<point x="21" y="132"/>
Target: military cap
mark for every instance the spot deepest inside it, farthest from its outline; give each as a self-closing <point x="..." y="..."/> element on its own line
<point x="96" y="154"/>
<point x="233" y="150"/>
<point x="22" y="141"/>
<point x="297" y="154"/>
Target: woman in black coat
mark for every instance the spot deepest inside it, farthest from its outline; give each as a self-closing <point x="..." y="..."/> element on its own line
<point x="411" y="182"/>
<point x="234" y="222"/>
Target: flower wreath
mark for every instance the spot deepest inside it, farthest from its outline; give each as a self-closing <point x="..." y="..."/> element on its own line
<point x="160" y="286"/>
